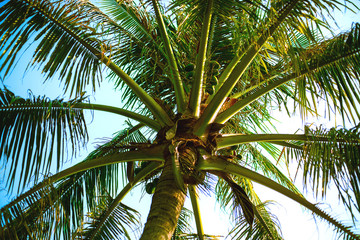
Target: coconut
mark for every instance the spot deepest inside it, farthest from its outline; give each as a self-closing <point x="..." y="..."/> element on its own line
<point x="190" y="67"/>
<point x="150" y="188"/>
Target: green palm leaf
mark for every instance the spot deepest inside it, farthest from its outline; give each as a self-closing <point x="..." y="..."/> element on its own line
<point x="261" y="163"/>
<point x="257" y="231"/>
<point x="324" y="156"/>
<point x="23" y="220"/>
<point x="328" y="78"/>
<point x="117" y="224"/>
<point x="34" y="132"/>
<point x="131" y="22"/>
<point x="264" y="225"/>
<point x="67" y="43"/>
<point x="195" y="9"/>
<point x="183" y="226"/>
<point x="202" y="78"/>
<point x="134" y="27"/>
<point x="51" y="212"/>
<point x="240" y="63"/>
<point x="334" y="66"/>
<point x="65" y="36"/>
<point x="115" y="214"/>
<point x="69" y="197"/>
<point x="333" y="160"/>
<point x="225" y="166"/>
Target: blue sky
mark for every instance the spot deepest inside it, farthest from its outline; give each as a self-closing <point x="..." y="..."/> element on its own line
<point x="296" y="223"/>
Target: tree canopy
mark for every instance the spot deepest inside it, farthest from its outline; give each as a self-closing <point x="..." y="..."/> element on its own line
<point x="199" y="81"/>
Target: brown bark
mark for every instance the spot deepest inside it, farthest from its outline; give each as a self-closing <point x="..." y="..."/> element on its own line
<point x="166" y="205"/>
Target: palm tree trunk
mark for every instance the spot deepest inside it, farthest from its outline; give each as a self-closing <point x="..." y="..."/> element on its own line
<point x="166" y="205"/>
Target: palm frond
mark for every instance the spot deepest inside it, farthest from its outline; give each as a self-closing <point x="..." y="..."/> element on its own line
<point x="174" y="70"/>
<point x="70" y="197"/>
<point x="254" y="118"/>
<point x="121" y="141"/>
<point x="65" y="34"/>
<point x="327" y="71"/>
<point x="123" y="112"/>
<point x="132" y="22"/>
<point x="196" y="210"/>
<point x="264" y="224"/>
<point x="231" y="61"/>
<point x="183" y="226"/>
<point x="257" y="231"/>
<point x="253" y="155"/>
<point x="103" y="227"/>
<point x="335" y="160"/>
<point x="260" y="162"/>
<point x="198" y="78"/>
<point x="241" y="63"/>
<point x="34" y="132"/>
<point x="68" y="43"/>
<point x="138" y="47"/>
<point x="226" y="167"/>
<point x="93" y="185"/>
<point x="53" y="211"/>
<point x="334" y="67"/>
<point x="22" y="220"/>
<point x="241" y="199"/>
<point x="118" y="224"/>
<point x="194" y="10"/>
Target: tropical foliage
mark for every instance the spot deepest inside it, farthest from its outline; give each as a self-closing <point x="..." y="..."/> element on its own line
<point x="199" y="81"/>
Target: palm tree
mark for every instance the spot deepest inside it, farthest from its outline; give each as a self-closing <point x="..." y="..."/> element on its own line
<point x="199" y="80"/>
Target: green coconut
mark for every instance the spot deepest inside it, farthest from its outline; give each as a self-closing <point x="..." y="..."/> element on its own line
<point x="190" y="74"/>
<point x="210" y="89"/>
<point x="155" y="181"/>
<point x="150" y="188"/>
<point x="190" y="67"/>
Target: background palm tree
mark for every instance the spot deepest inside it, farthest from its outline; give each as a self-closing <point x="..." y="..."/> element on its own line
<point x="199" y="79"/>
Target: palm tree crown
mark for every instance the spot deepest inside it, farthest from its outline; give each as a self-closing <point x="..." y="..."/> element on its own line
<point x="199" y="80"/>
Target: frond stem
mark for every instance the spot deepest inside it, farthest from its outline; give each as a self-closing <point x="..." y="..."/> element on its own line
<point x="153" y="106"/>
<point x="150" y="154"/>
<point x="286" y="144"/>
<point x="178" y="86"/>
<point x="123" y="112"/>
<point x="196" y="209"/>
<point x="235" y="139"/>
<point x="120" y="111"/>
<point x="196" y="90"/>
